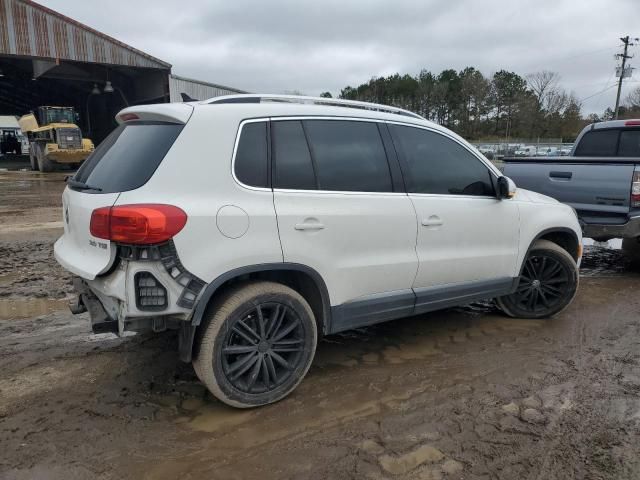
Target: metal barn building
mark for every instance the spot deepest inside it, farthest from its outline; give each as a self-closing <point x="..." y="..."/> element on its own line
<point x="47" y="58"/>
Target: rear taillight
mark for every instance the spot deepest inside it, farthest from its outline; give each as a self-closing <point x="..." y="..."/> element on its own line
<point x="631" y="123"/>
<point x="635" y="189"/>
<point x="139" y="224"/>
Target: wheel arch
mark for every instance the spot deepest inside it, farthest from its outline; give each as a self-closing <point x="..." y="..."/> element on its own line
<point x="301" y="278"/>
<point x="564" y="237"/>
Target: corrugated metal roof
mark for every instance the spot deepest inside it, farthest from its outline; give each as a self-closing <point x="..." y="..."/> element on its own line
<point x="32" y="30"/>
<point x="196" y="89"/>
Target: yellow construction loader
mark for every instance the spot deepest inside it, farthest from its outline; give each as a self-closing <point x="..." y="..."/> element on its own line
<point x="54" y="138"/>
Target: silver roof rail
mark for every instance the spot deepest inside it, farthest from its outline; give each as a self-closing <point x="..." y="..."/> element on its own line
<point x="330" y="102"/>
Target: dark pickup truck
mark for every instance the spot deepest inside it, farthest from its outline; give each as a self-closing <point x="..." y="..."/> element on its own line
<point x="600" y="179"/>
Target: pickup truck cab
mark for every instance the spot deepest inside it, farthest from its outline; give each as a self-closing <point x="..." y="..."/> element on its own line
<point x="600" y="179"/>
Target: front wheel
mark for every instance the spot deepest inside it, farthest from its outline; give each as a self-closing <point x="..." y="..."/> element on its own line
<point x="257" y="344"/>
<point x="548" y="282"/>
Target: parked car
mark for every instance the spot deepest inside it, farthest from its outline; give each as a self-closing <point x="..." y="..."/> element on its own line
<point x="9" y="142"/>
<point x="255" y="224"/>
<point x="600" y="179"/>
<point x="525" y="151"/>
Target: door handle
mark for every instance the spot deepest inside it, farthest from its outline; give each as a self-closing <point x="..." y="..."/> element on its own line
<point x="561" y="175"/>
<point x="309" y="226"/>
<point x="432" y="221"/>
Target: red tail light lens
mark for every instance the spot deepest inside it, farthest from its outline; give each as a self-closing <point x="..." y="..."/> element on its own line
<point x="630" y="123"/>
<point x="140" y="224"/>
<point x="635" y="189"/>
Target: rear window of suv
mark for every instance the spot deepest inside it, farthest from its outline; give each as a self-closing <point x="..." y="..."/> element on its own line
<point x="128" y="157"/>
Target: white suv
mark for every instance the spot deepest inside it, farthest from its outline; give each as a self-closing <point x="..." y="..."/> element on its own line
<point x="255" y="224"/>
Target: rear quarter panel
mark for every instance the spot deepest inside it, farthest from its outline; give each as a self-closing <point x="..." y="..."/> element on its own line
<point x="196" y="176"/>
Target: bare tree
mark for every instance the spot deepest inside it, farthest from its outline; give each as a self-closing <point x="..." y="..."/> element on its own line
<point x="633" y="99"/>
<point x="545" y="86"/>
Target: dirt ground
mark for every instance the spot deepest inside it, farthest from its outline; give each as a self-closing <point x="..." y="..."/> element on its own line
<point x="461" y="394"/>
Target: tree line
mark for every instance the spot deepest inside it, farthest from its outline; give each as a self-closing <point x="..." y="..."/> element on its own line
<point x="504" y="105"/>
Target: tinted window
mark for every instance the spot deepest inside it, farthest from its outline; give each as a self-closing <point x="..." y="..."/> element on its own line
<point x="438" y="164"/>
<point x="127" y="158"/>
<point x="251" y="164"/>
<point x="292" y="160"/>
<point x="596" y="143"/>
<point x="629" y="143"/>
<point x="348" y="156"/>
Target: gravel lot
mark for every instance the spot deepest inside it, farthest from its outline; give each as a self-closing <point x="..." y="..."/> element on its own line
<point x="464" y="393"/>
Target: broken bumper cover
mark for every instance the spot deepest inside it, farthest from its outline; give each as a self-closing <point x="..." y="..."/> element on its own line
<point x="631" y="229"/>
<point x="126" y="299"/>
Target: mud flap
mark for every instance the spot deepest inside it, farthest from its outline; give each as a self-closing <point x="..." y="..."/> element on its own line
<point x="185" y="341"/>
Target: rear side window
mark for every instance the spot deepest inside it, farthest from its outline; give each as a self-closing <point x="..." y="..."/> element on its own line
<point x="348" y="156"/>
<point x="128" y="157"/>
<point x="251" y="162"/>
<point x="292" y="160"/>
<point x="629" y="143"/>
<point x="437" y="164"/>
<point x="598" y="143"/>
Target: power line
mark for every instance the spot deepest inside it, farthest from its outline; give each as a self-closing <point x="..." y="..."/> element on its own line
<point x="598" y="93"/>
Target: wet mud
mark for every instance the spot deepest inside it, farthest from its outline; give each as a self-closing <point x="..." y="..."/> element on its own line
<point x="465" y="393"/>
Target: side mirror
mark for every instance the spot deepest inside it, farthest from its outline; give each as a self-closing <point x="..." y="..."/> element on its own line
<point x="506" y="188"/>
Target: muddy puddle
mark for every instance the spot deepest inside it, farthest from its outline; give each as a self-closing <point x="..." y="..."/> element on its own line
<point x="12" y="308"/>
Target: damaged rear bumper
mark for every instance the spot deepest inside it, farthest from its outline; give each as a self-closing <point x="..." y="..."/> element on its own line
<point x="87" y="301"/>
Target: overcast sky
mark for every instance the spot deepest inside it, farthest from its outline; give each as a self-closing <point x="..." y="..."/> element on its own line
<point x="281" y="46"/>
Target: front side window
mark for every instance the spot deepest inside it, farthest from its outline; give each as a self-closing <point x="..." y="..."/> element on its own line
<point x="348" y="156"/>
<point x="629" y="143"/>
<point x="598" y="143"/>
<point x="251" y="162"/>
<point x="440" y="165"/>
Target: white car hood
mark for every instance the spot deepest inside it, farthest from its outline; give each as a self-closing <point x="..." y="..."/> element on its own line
<point x="533" y="197"/>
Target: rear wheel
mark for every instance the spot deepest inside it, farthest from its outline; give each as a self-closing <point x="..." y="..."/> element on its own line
<point x="631" y="251"/>
<point x="258" y="343"/>
<point x="548" y="282"/>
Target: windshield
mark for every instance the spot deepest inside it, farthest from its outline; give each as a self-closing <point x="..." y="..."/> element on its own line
<point x="57" y="115"/>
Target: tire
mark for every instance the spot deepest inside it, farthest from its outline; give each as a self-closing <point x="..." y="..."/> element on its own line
<point x="44" y="165"/>
<point x="33" y="161"/>
<point x="240" y="363"/>
<point x="548" y="283"/>
<point x="631" y="251"/>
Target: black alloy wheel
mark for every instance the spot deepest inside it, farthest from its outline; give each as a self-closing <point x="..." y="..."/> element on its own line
<point x="544" y="282"/>
<point x="263" y="348"/>
<point x="256" y="344"/>
<point x="547" y="284"/>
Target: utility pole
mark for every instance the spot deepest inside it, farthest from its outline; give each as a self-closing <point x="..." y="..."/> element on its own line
<point x="627" y="41"/>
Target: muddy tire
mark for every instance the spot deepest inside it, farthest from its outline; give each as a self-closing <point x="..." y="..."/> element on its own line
<point x="547" y="285"/>
<point x="257" y="345"/>
<point x="44" y="165"/>
<point x="631" y="251"/>
<point x="33" y="161"/>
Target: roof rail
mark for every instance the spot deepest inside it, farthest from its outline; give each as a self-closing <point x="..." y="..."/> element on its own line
<point x="330" y="102"/>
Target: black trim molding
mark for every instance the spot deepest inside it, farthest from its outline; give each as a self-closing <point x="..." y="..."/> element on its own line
<point x="404" y="303"/>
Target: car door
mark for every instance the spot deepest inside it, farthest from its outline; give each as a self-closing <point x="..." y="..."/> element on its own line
<point x="467" y="238"/>
<point x="342" y="212"/>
